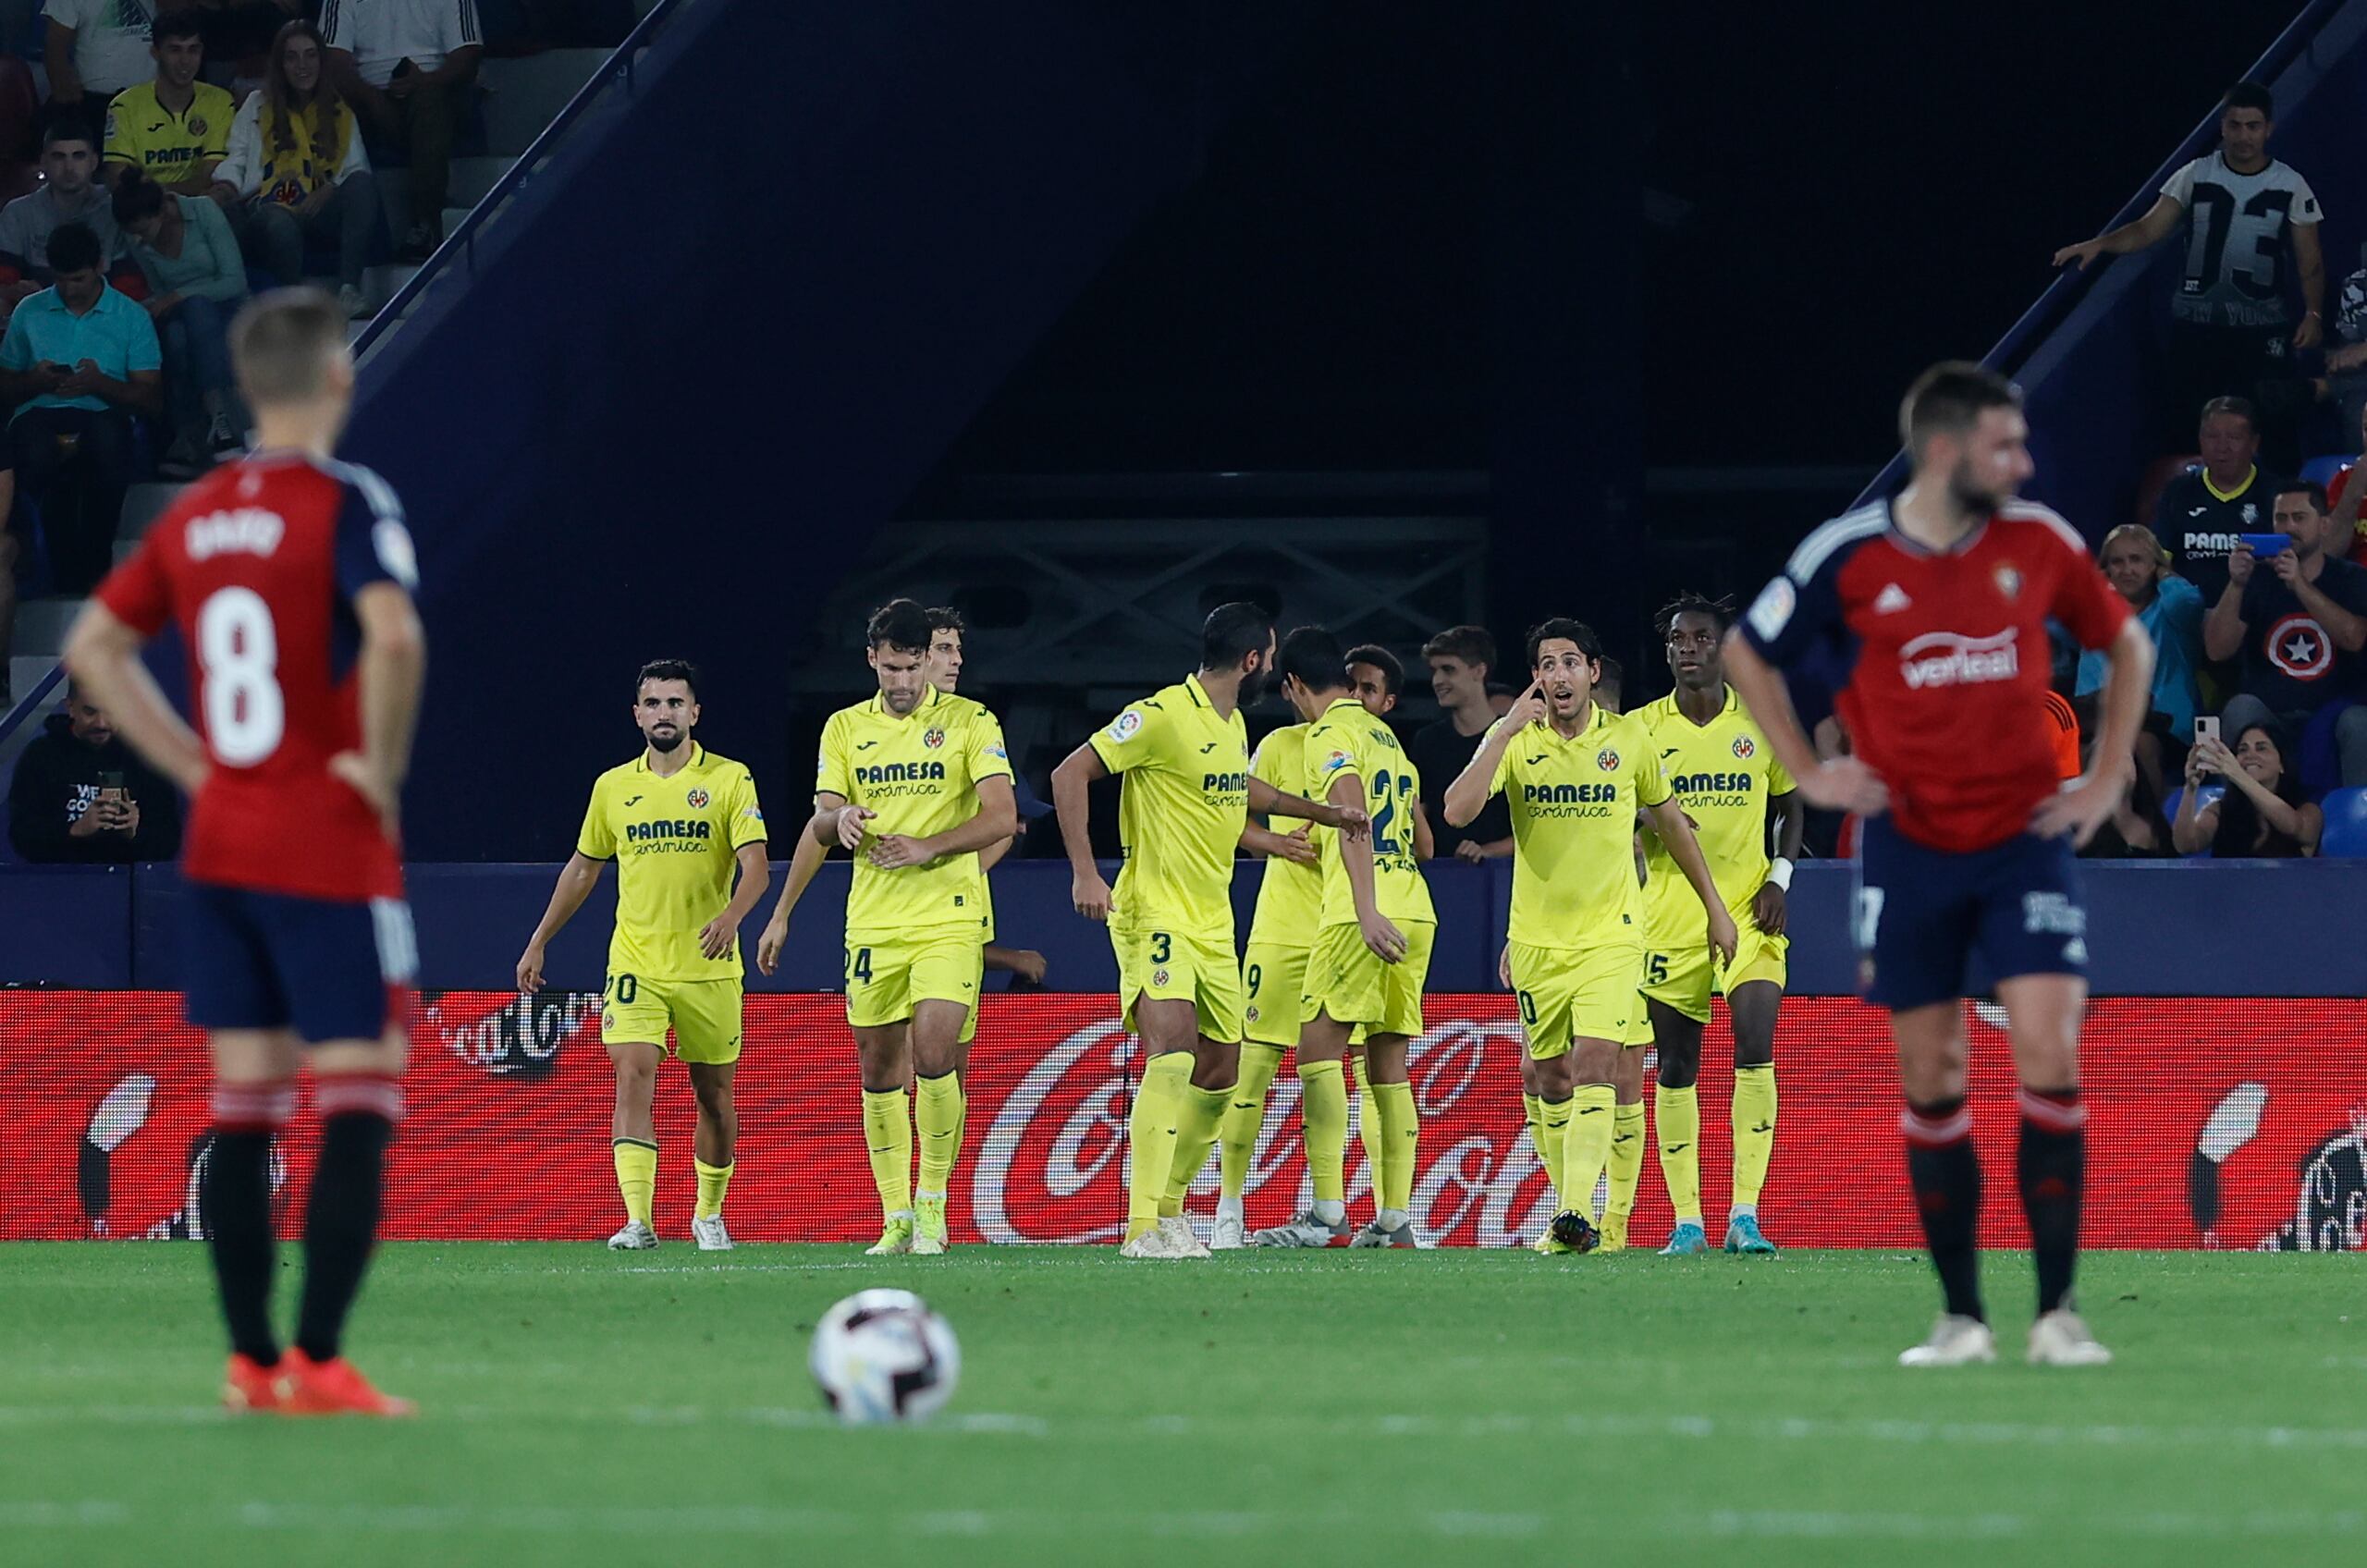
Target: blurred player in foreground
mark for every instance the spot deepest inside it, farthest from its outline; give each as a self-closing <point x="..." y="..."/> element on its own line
<point x="1941" y="599"/>
<point x="291" y="575"/>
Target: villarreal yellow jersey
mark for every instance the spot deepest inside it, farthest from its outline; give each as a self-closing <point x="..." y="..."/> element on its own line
<point x="1724" y="773"/>
<point x="1574" y="805"/>
<point x="919" y="772"/>
<point x="1290" y="896"/>
<point x="1180" y="811"/>
<point x="1346" y="741"/>
<point x="675" y="840"/>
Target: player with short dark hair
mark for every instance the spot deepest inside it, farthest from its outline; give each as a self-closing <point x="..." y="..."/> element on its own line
<point x="680" y="822"/>
<point x="1940" y="601"/>
<point x="291" y="575"/>
<point x="1376" y="677"/>
<point x="1726" y="777"/>
<point x="1183" y="752"/>
<point x="1575" y="777"/>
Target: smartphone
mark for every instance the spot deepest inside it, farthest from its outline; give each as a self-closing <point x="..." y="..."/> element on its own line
<point x="2267" y="544"/>
<point x="2206" y="728"/>
<point x="110" y="780"/>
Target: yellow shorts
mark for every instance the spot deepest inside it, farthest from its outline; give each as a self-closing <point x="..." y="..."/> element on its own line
<point x="1680" y="971"/>
<point x="886" y="980"/>
<point x="1272" y="978"/>
<point x="1348" y="981"/>
<point x="1576" y="994"/>
<point x="1639" y="1025"/>
<point x="704" y="1015"/>
<point x="978" y="994"/>
<point x="1181" y="966"/>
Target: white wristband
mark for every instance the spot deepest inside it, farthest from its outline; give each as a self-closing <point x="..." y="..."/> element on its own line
<point x="1779" y="873"/>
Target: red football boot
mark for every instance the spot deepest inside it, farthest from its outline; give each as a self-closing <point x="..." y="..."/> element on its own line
<point x="249" y="1388"/>
<point x="334" y="1387"/>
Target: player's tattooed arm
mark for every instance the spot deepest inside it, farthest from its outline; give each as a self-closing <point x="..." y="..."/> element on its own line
<point x="1072" y="804"/>
<point x="1380" y="934"/>
<point x="1676" y="832"/>
<point x="837" y="821"/>
<point x="996" y="819"/>
<point x="1350" y="819"/>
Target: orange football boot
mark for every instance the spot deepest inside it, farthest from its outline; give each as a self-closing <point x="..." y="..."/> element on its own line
<point x="250" y="1388"/>
<point x="334" y="1387"/>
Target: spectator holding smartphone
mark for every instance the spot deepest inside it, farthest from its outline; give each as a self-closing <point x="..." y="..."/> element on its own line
<point x="2299" y="620"/>
<point x="2262" y="815"/>
<point x="80" y="796"/>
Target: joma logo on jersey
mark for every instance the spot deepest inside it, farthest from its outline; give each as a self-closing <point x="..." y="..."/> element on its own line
<point x="1709" y="783"/>
<point x="249" y="531"/>
<point x="638" y="831"/>
<point x="1568" y="794"/>
<point x="1947" y="658"/>
<point x="900" y="772"/>
<point x="1224" y="783"/>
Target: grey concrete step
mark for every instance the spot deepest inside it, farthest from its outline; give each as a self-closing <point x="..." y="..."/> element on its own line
<point x="41" y="625"/>
<point x="472" y="178"/>
<point x="523" y="95"/>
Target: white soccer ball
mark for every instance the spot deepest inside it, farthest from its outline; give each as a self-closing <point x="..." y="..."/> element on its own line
<point x="884" y="1355"/>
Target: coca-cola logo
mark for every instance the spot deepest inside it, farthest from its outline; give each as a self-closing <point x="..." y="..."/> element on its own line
<point x="1053" y="1166"/>
<point x="524" y="1037"/>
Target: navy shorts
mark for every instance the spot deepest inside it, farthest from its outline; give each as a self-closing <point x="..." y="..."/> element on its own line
<point x="325" y="968"/>
<point x="1923" y="914"/>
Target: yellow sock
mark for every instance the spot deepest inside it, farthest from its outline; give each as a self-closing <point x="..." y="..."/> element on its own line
<point x="1245" y="1117"/>
<point x="714" y="1181"/>
<point x="1324" y="1098"/>
<point x="936" y="1111"/>
<point x="1586" y="1146"/>
<point x="1626" y="1161"/>
<point x="888" y="1130"/>
<point x="1151" y="1132"/>
<point x="1400" y="1129"/>
<point x="1204" y="1109"/>
<point x="1553" y="1128"/>
<point x="636" y="1175"/>
<point x="1678" y="1111"/>
<point x="1754" y="1130"/>
<point x="1368" y="1131"/>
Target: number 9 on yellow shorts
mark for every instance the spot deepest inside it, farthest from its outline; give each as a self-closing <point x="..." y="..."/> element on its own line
<point x="1182" y="966"/>
<point x="702" y="1014"/>
<point x="1569" y="994"/>
<point x="886" y="980"/>
<point x="1272" y="976"/>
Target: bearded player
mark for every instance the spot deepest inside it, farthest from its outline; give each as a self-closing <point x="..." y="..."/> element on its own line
<point x="1936" y="603"/>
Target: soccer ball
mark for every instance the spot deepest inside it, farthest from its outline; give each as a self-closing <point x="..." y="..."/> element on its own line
<point x="884" y="1355"/>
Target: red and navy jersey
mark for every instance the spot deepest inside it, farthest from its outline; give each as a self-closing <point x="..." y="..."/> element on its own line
<point x="259" y="562"/>
<point x="1942" y="658"/>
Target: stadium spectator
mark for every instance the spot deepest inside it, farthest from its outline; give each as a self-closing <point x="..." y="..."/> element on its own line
<point x="173" y="127"/>
<point x="408" y="67"/>
<point x="2136" y="829"/>
<point x="2262" y="813"/>
<point x="2171" y="610"/>
<point x="2229" y="493"/>
<point x="2232" y="327"/>
<point x="2299" y="625"/>
<point x="81" y="795"/>
<point x="93" y="49"/>
<point x="2345" y="383"/>
<point x="296" y="172"/>
<point x="2343" y="499"/>
<point x="69" y="193"/>
<point x="195" y="280"/>
<point x="80" y="358"/>
<point x="1459" y="658"/>
<point x="238" y="36"/>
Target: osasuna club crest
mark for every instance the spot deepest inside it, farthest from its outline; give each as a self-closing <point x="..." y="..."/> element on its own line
<point x="698" y="800"/>
<point x="2009" y="582"/>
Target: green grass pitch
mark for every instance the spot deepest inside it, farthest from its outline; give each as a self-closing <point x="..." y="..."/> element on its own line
<point x="1367" y="1408"/>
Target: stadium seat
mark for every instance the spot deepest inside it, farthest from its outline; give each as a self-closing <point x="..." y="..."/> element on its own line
<point x="2321" y="470"/>
<point x="2346" y="831"/>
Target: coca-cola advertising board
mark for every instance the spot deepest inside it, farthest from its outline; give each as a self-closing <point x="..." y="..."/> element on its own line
<point x="2215" y="1122"/>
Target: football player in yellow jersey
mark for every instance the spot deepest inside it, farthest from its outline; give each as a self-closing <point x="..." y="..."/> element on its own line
<point x="1281" y="933"/>
<point x="677" y="820"/>
<point x="1371" y="956"/>
<point x="912" y="783"/>
<point x="1183" y="752"/>
<point x="1574" y="778"/>
<point x="1726" y="777"/>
